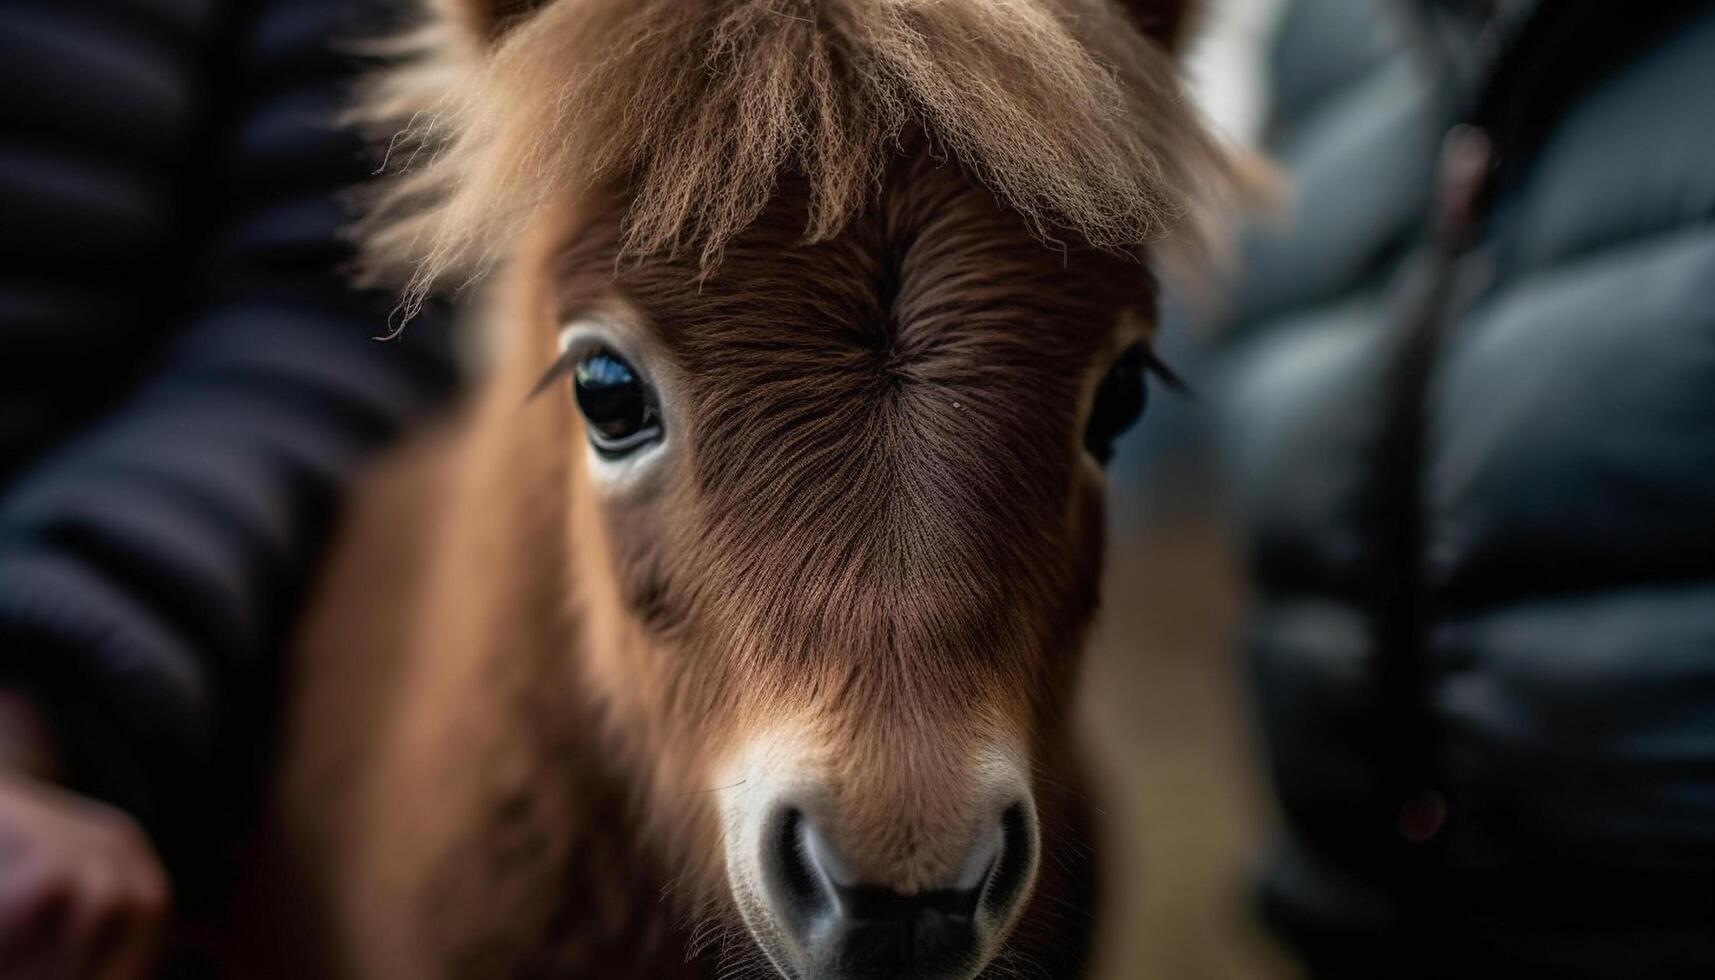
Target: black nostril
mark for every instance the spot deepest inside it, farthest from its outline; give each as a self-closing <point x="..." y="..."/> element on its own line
<point x="1011" y="873"/>
<point x="794" y="885"/>
<point x="794" y="863"/>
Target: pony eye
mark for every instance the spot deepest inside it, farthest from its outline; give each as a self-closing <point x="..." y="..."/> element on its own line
<point x="619" y="407"/>
<point x="1119" y="403"/>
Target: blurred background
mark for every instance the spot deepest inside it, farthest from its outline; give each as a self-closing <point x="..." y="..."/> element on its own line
<point x="1471" y="335"/>
<point x="1406" y="667"/>
<point x="1185" y="792"/>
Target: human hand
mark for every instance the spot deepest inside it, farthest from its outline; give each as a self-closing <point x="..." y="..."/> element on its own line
<point x="82" y="894"/>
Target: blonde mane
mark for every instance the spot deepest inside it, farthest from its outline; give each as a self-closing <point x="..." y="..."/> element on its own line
<point x="693" y="109"/>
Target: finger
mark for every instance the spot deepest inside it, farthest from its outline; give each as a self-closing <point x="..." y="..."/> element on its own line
<point x="36" y="899"/>
<point x="125" y="944"/>
<point x="97" y="926"/>
<point x="148" y="902"/>
<point x="146" y="886"/>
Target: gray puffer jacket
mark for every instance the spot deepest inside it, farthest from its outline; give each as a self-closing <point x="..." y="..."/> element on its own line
<point x="1478" y="492"/>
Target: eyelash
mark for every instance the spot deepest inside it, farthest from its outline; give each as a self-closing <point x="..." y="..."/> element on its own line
<point x="1163" y="372"/>
<point x="561" y="366"/>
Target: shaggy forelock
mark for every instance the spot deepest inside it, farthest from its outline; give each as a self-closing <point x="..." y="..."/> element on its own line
<point x="694" y="109"/>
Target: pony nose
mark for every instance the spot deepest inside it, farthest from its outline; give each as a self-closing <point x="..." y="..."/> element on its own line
<point x="850" y="929"/>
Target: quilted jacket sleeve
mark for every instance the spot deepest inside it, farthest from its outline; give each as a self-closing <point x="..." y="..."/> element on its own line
<point x="189" y="383"/>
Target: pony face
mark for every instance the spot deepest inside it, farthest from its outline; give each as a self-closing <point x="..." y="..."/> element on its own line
<point x="855" y="550"/>
<point x="842" y="303"/>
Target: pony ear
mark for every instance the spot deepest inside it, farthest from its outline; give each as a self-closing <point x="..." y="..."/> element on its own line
<point x="1167" y="22"/>
<point x="487" y="21"/>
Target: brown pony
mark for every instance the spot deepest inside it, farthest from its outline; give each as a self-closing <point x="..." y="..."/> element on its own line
<point x="733" y="625"/>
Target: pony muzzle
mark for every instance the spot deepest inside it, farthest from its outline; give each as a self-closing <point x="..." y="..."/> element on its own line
<point x="830" y="895"/>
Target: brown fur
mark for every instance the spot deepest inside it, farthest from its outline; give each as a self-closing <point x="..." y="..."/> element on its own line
<point x="879" y="526"/>
<point x="698" y="106"/>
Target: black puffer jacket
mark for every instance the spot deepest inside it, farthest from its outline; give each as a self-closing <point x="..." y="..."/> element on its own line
<point x="1479" y="499"/>
<point x="187" y="380"/>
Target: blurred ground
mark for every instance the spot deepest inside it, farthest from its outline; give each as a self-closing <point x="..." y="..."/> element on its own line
<point x="1181" y="791"/>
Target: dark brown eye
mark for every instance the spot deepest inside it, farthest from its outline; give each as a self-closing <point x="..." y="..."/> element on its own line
<point x="619" y="407"/>
<point x="1119" y="403"/>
